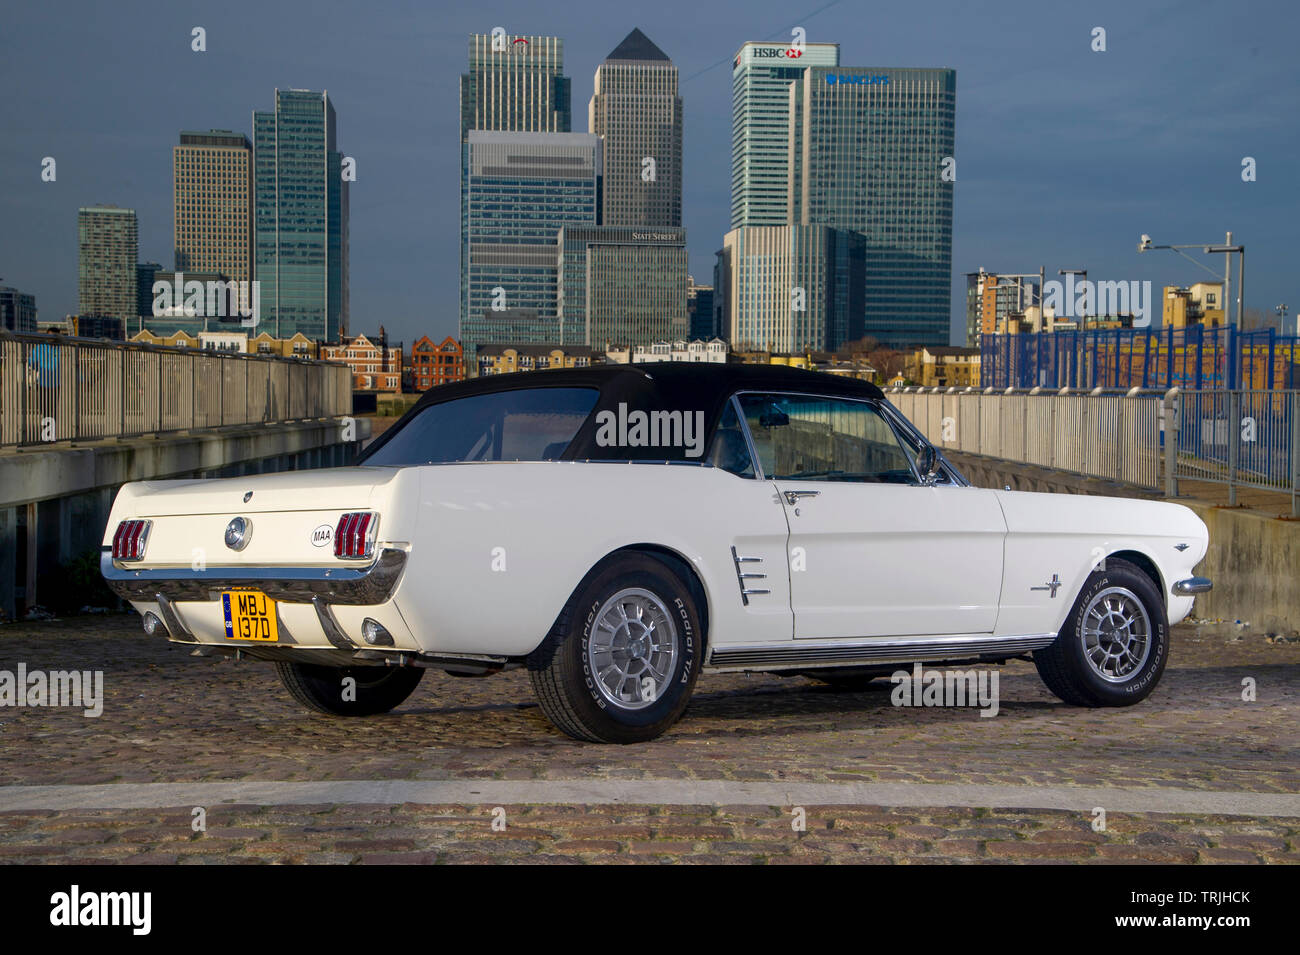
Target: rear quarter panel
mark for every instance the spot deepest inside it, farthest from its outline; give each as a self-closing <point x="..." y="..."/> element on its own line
<point x="498" y="548"/>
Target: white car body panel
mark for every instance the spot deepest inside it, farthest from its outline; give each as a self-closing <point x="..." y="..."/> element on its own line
<point x="494" y="550"/>
<point x="894" y="560"/>
<point x="1070" y="534"/>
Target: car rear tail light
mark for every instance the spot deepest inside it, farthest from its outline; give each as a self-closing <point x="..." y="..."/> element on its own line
<point x="129" y="540"/>
<point x="354" y="537"/>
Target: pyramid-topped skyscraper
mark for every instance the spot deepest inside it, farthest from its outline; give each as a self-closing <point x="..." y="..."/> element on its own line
<point x="637" y="112"/>
<point x="637" y="46"/>
<point x="624" y="281"/>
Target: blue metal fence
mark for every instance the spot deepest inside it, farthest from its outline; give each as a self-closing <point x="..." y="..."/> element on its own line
<point x="1197" y="358"/>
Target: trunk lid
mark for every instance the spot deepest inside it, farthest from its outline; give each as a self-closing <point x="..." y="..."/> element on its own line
<point x="292" y="516"/>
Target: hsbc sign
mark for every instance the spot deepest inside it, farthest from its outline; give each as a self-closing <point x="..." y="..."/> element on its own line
<point x="798" y="55"/>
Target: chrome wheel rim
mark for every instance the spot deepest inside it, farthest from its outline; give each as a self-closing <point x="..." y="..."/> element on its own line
<point x="1116" y="634"/>
<point x="632" y="649"/>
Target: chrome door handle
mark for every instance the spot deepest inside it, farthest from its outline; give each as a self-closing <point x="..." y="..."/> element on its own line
<point x="793" y="496"/>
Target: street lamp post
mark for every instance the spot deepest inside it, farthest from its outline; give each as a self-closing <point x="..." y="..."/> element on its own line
<point x="1083" y="319"/>
<point x="1082" y="338"/>
<point x="1227" y="249"/>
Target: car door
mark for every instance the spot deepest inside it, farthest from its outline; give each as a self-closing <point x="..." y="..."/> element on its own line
<point x="873" y="552"/>
<point x="753" y="529"/>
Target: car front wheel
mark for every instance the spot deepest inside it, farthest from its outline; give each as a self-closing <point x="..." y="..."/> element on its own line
<point x="1114" y="644"/>
<point x="621" y="661"/>
<point x="348" y="691"/>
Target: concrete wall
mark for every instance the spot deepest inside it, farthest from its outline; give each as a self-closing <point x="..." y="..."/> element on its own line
<point x="1254" y="559"/>
<point x="56" y="500"/>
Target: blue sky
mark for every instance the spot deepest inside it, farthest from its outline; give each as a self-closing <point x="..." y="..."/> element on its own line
<point x="1064" y="155"/>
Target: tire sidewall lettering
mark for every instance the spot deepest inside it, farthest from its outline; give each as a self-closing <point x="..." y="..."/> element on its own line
<point x="1143" y="681"/>
<point x="675" y="686"/>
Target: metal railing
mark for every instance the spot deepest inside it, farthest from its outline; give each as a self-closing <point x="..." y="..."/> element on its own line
<point x="1245" y="438"/>
<point x="1115" y="435"/>
<point x="1240" y="438"/>
<point x="61" y="389"/>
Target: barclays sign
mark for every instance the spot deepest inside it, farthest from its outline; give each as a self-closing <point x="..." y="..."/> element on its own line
<point x="857" y="79"/>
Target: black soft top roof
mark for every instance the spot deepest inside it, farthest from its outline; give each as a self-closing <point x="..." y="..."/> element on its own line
<point x="705" y="381"/>
<point x="686" y="387"/>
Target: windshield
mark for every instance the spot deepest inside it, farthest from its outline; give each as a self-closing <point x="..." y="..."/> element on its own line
<point x="527" y="424"/>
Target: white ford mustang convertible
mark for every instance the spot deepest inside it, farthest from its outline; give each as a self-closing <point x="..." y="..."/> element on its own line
<point x="618" y="530"/>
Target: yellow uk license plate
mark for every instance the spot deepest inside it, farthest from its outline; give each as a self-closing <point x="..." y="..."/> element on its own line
<point x="250" y="615"/>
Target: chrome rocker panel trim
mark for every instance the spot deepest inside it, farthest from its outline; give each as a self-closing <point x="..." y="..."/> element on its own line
<point x="1192" y="585"/>
<point x="809" y="654"/>
<point x="335" y="585"/>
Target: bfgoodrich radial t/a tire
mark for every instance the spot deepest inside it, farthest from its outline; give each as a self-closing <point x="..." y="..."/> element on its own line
<point x="620" y="663"/>
<point x="1114" y="644"/>
<point x="372" y="690"/>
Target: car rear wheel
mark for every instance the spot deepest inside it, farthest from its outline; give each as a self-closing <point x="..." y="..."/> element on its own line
<point x="328" y="690"/>
<point x="621" y="661"/>
<point x="1114" y="644"/>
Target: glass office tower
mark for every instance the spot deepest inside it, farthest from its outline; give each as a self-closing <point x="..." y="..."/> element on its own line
<point x="514" y="84"/>
<point x="761" y="75"/>
<point x="300" y="218"/>
<point x="867" y="154"/>
<point x="520" y="190"/>
<point x="622" y="286"/>
<point x="792" y="288"/>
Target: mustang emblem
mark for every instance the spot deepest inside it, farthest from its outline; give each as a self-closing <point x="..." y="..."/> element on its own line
<point x="1051" y="585"/>
<point x="248" y="497"/>
<point x="1181" y="547"/>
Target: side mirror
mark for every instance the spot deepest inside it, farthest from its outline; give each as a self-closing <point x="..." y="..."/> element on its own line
<point x="927" y="465"/>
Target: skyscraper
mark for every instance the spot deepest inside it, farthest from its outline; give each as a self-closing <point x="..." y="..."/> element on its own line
<point x="699" y="310"/>
<point x="625" y="282"/>
<point x="17" y="311"/>
<point x="300" y="218"/>
<point x="793" y="287"/>
<point x="107" y="246"/>
<point x="621" y="285"/>
<point x="515" y="84"/>
<point x="869" y="149"/>
<point x="520" y="190"/>
<point x="212" y="193"/>
<point x="637" y="112"/>
<point x="760" y="133"/>
<point x="144" y="276"/>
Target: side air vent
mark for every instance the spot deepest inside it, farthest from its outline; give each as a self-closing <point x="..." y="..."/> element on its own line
<point x="743" y="575"/>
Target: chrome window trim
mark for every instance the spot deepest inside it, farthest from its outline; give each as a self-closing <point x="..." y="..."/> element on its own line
<point x="734" y="401"/>
<point x="900" y="422"/>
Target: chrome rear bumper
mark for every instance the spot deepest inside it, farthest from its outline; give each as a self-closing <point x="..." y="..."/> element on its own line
<point x="333" y="585"/>
<point x="1192" y="585"/>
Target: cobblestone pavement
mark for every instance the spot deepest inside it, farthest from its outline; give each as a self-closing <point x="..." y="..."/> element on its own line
<point x="170" y="717"/>
<point x="743" y="834"/>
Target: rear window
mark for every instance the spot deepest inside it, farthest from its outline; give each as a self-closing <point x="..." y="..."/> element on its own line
<point x="528" y="424"/>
